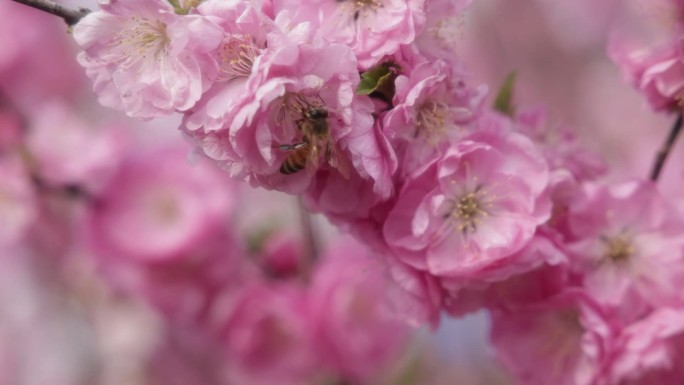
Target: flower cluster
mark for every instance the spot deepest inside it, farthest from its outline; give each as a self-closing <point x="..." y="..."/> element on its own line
<point x="362" y="109"/>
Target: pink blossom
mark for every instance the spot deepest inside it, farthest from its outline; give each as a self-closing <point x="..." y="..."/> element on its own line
<point x="244" y="42"/>
<point x="268" y="338"/>
<point x="443" y="32"/>
<point x="146" y="60"/>
<point x="292" y="80"/>
<point x="57" y="135"/>
<point x="157" y="206"/>
<point x="650" y="350"/>
<point x="532" y="275"/>
<point x="473" y="208"/>
<point x="565" y="340"/>
<point x="355" y="328"/>
<point x="657" y="72"/>
<point x="372" y="29"/>
<point x="433" y="103"/>
<point x="647" y="46"/>
<point x="627" y="243"/>
<point x="159" y="230"/>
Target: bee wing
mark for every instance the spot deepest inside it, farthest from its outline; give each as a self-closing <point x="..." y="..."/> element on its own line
<point x="335" y="158"/>
<point x="291" y="147"/>
<point x="312" y="161"/>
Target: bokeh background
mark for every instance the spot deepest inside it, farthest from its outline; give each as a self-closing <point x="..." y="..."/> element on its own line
<point x="62" y="322"/>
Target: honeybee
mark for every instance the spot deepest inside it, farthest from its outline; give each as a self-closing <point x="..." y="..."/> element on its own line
<point x="315" y="138"/>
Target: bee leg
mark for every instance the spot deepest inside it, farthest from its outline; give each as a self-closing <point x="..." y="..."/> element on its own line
<point x="290" y="147"/>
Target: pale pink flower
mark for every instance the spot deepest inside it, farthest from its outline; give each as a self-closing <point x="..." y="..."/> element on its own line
<point x="159" y="230"/>
<point x="355" y="328"/>
<point x="444" y="28"/>
<point x="419" y="298"/>
<point x="432" y="103"/>
<point x="627" y="243"/>
<point x="650" y="350"/>
<point x="268" y="338"/>
<point x="532" y="275"/>
<point x="157" y="206"/>
<point x="244" y="42"/>
<point x="57" y="135"/>
<point x="562" y="341"/>
<point x="146" y="60"/>
<point x="657" y="72"/>
<point x="647" y="46"/>
<point x="372" y="28"/>
<point x="471" y="209"/>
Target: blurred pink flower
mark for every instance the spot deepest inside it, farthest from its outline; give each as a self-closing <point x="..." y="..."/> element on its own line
<point x="146" y="60"/>
<point x="651" y="350"/>
<point x="657" y="72"/>
<point x="157" y="206"/>
<point x="57" y="134"/>
<point x="627" y="244"/>
<point x="160" y="229"/>
<point x="355" y="327"/>
<point x="268" y="338"/>
<point x="563" y="341"/>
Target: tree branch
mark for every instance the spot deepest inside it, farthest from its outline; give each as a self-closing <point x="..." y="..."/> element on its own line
<point x="664" y="151"/>
<point x="310" y="233"/>
<point x="70" y="16"/>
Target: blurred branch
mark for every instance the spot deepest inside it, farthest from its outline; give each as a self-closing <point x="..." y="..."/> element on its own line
<point x="70" y="16"/>
<point x="664" y="151"/>
<point x="310" y="234"/>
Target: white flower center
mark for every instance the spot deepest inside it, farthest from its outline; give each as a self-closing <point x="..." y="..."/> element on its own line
<point x="236" y="56"/>
<point x="618" y="249"/>
<point x="468" y="210"/>
<point x="142" y="38"/>
<point x="360" y="8"/>
<point x="431" y="122"/>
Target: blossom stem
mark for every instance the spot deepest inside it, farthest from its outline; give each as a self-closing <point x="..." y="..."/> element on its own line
<point x="70" y="16"/>
<point x="310" y="234"/>
<point x="664" y="151"/>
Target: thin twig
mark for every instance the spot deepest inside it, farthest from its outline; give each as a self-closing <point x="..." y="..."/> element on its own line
<point x="664" y="151"/>
<point x="70" y="16"/>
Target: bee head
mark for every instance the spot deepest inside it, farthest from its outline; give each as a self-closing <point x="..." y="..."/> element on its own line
<point x="316" y="113"/>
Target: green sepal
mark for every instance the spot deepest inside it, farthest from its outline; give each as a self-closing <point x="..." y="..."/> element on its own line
<point x="378" y="79"/>
<point x="504" y="98"/>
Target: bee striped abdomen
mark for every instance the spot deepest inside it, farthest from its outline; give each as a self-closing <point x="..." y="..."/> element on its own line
<point x="295" y="162"/>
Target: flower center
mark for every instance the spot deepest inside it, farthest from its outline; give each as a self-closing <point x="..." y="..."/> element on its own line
<point x="359" y="8"/>
<point x="431" y="120"/>
<point x="236" y="56"/>
<point x="448" y="31"/>
<point x="468" y="210"/>
<point x="618" y="248"/>
<point x="141" y="38"/>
